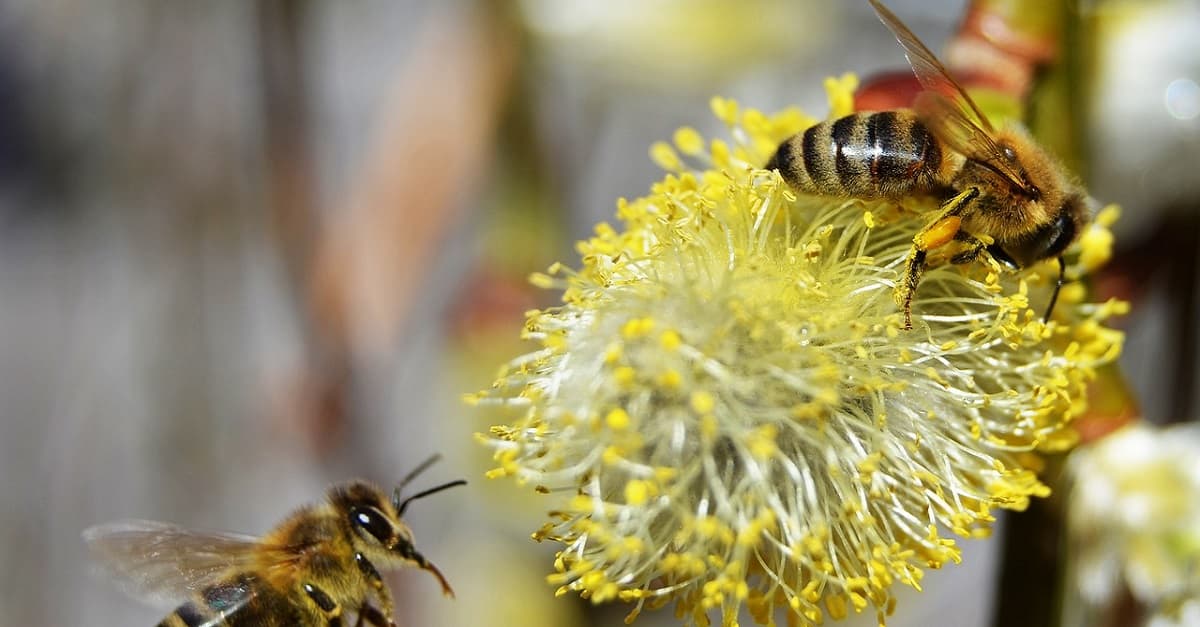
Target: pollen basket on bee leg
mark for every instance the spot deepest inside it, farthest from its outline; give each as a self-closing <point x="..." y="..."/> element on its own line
<point x="938" y="234"/>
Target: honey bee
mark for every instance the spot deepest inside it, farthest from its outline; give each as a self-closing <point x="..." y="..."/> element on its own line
<point x="1001" y="192"/>
<point x="310" y="570"/>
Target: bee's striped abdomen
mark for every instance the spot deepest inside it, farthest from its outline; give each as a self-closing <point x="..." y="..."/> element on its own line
<point x="191" y="614"/>
<point x="240" y="600"/>
<point x="863" y="155"/>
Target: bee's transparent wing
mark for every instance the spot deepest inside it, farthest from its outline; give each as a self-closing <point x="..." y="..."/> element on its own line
<point x="947" y="109"/>
<point x="930" y="72"/>
<point x="165" y="564"/>
<point x="949" y="123"/>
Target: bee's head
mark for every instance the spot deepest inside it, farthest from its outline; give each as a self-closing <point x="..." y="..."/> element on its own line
<point x="1048" y="241"/>
<point x="376" y="529"/>
<point x="1053" y="237"/>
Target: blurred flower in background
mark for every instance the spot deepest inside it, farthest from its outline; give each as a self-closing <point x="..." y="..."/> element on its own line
<point x="692" y="40"/>
<point x="727" y="388"/>
<point x="1133" y="522"/>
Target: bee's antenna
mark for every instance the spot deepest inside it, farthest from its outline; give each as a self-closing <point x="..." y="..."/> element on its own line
<point x="421" y="467"/>
<point x="1062" y="270"/>
<point x="404" y="504"/>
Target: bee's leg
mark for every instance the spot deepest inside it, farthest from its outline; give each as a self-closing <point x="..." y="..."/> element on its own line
<point x="975" y="246"/>
<point x="381" y="590"/>
<point x="372" y="616"/>
<point x="939" y="232"/>
<point x="331" y="609"/>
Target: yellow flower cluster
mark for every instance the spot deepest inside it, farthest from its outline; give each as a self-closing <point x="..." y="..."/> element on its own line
<point x="742" y="423"/>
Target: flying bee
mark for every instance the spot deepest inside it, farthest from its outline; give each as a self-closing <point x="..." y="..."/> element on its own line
<point x="314" y="567"/>
<point x="1001" y="192"/>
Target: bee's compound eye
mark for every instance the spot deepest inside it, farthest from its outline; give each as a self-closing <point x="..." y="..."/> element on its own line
<point x="1009" y="153"/>
<point x="1063" y="235"/>
<point x="373" y="522"/>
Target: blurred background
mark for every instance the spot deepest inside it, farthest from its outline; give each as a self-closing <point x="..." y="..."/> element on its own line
<point x="252" y="248"/>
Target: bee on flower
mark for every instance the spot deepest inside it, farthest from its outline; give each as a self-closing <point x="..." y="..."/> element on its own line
<point x="743" y="423"/>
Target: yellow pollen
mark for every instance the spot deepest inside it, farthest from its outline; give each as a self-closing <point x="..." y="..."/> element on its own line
<point x="637" y="492"/>
<point x="665" y="157"/>
<point x="637" y="327"/>
<point x="725" y="109"/>
<point x="670" y="380"/>
<point x="617" y="419"/>
<point x="689" y="141"/>
<point x="670" y="340"/>
<point x="702" y="402"/>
